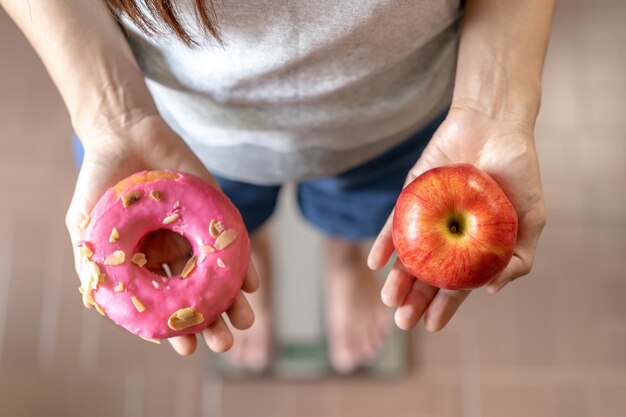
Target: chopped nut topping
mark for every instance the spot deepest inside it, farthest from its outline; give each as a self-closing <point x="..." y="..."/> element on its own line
<point x="189" y="266"/>
<point x="138" y="304"/>
<point x="90" y="276"/>
<point x="206" y="249"/>
<point x="185" y="313"/>
<point x="185" y="317"/>
<point x="139" y="259"/>
<point x="221" y="263"/>
<point x="114" y="235"/>
<point x="157" y="341"/>
<point x="85" y="251"/>
<point x="225" y="239"/>
<point x="83" y="224"/>
<point x="201" y="258"/>
<point x="130" y="198"/>
<point x="215" y="228"/>
<point x="156" y="284"/>
<point x="167" y="270"/>
<point x="119" y="287"/>
<point x="89" y="299"/>
<point x="171" y="218"/>
<point x="177" y="204"/>
<point x="155" y="195"/>
<point x="99" y="309"/>
<point x="116" y="258"/>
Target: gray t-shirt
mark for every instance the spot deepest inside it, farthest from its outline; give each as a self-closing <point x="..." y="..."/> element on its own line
<point x="303" y="88"/>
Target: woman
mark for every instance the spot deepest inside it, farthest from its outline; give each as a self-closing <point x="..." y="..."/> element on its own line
<point x="339" y="97"/>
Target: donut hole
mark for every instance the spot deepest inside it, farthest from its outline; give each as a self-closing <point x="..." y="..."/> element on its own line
<point x="164" y="247"/>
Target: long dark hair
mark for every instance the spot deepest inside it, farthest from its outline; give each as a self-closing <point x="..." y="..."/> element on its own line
<point x="165" y="11"/>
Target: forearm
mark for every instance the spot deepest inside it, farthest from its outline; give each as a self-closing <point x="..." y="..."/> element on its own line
<point x="501" y="55"/>
<point x="87" y="57"/>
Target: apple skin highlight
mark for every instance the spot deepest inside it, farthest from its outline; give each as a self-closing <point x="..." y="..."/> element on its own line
<point x="454" y="228"/>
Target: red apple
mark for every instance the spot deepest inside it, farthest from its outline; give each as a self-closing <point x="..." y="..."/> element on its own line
<point x="454" y="228"/>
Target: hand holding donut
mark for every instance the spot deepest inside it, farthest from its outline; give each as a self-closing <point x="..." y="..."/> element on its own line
<point x="149" y="145"/>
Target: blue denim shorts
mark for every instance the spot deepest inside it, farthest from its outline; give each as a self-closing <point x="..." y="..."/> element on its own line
<point x="353" y="205"/>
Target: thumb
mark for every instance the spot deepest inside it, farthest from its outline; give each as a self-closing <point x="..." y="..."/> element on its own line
<point x="183" y="159"/>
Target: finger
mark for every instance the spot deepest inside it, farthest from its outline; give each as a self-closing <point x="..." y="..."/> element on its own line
<point x="516" y="268"/>
<point x="218" y="336"/>
<point x="397" y="285"/>
<point x="415" y="304"/>
<point x="240" y="313"/>
<point x="251" y="283"/>
<point x="184" y="345"/>
<point x="73" y="220"/>
<point x="185" y="160"/>
<point x="442" y="308"/>
<point x="88" y="189"/>
<point x="530" y="228"/>
<point x="383" y="247"/>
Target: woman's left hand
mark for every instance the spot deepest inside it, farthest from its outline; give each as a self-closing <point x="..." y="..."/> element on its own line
<point x="505" y="150"/>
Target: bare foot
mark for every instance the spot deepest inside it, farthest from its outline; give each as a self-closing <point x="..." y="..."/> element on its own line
<point x="251" y="349"/>
<point x="358" y="323"/>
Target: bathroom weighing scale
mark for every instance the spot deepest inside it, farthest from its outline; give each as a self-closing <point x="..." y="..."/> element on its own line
<point x="300" y="341"/>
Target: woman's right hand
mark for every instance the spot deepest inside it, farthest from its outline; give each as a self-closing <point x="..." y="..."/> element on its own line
<point x="147" y="143"/>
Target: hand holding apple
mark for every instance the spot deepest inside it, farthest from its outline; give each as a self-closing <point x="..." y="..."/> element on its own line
<point x="502" y="148"/>
<point x="454" y="228"/>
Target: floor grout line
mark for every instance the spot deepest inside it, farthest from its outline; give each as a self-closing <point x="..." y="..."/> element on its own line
<point x="471" y="400"/>
<point x="185" y="396"/>
<point x="89" y="343"/>
<point x="6" y="271"/>
<point x="50" y="309"/>
<point x="212" y="387"/>
<point x="134" y="394"/>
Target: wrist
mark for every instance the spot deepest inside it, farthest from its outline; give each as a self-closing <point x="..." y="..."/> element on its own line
<point x="111" y="106"/>
<point x="493" y="82"/>
<point x="500" y="59"/>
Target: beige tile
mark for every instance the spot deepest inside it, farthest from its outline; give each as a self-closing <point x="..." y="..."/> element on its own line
<point x="608" y="400"/>
<point x="604" y="247"/>
<point x="161" y="395"/>
<point x="436" y="351"/>
<point x="394" y="398"/>
<point x="520" y="400"/>
<point x="560" y="157"/>
<point x="613" y="299"/>
<point x="16" y="391"/>
<point x="572" y="400"/>
<point x="277" y="398"/>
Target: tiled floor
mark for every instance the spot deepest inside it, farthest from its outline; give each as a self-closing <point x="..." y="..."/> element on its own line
<point x="553" y="344"/>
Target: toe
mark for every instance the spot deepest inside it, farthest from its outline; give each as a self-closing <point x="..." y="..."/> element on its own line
<point x="369" y="346"/>
<point x="341" y="357"/>
<point x="258" y="359"/>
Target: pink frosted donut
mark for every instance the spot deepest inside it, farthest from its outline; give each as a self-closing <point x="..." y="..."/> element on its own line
<point x="113" y="276"/>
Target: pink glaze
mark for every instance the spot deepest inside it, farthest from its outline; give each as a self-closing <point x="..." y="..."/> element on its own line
<point x="209" y="288"/>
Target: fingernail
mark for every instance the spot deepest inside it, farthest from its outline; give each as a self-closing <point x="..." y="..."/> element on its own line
<point x="430" y="327"/>
<point x="386" y="298"/>
<point x="370" y="262"/>
<point x="492" y="289"/>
